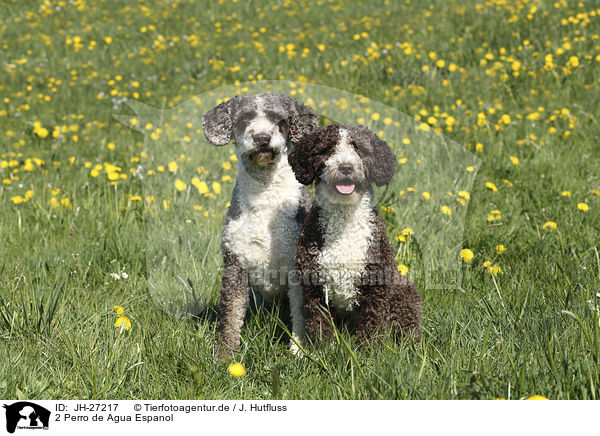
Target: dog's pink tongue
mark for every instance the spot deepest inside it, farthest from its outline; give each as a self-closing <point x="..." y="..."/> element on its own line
<point x="345" y="189"/>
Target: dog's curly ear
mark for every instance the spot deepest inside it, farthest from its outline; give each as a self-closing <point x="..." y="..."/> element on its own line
<point x="301" y="158"/>
<point x="381" y="168"/>
<point x="303" y="121"/>
<point x="217" y="124"/>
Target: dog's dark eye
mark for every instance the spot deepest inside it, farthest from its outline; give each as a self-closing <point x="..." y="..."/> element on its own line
<point x="275" y="117"/>
<point x="361" y="146"/>
<point x="283" y="125"/>
<point x="246" y="116"/>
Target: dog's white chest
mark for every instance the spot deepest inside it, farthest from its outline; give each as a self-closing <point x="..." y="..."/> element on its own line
<point x="346" y="239"/>
<point x="264" y="236"/>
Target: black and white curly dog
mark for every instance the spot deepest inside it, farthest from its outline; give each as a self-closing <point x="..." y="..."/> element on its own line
<point x="344" y="257"/>
<point x="268" y="206"/>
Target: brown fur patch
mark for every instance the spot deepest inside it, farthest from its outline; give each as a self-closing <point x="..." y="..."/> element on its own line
<point x="308" y="156"/>
<point x="386" y="299"/>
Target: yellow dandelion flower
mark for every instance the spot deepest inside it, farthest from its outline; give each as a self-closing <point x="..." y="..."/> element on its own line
<point x="500" y="249"/>
<point x="566" y="193"/>
<point x="173" y="166"/>
<point x="403" y="269"/>
<point x="119" y="310"/>
<point x="495" y="270"/>
<point x="40" y="131"/>
<point x="514" y="160"/>
<point x="573" y="62"/>
<point x="536" y="397"/>
<point x="216" y="186"/>
<point x="201" y="186"/>
<point x="28" y="166"/>
<point x="464" y="194"/>
<point x="486" y="264"/>
<point x="583" y="207"/>
<point x="426" y="195"/>
<point x="17" y="199"/>
<point x="226" y="166"/>
<point x="237" y="370"/>
<point x="180" y="185"/>
<point x="494" y="215"/>
<point x="123" y="323"/>
<point x="446" y="210"/>
<point x="408" y="231"/>
<point x="491" y="186"/>
<point x="466" y="255"/>
<point x="549" y="225"/>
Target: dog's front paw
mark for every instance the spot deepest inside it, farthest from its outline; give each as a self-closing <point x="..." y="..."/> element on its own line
<point x="295" y="349"/>
<point x="295" y="346"/>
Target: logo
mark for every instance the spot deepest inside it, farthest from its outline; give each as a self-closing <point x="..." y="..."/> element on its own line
<point x="26" y="415"/>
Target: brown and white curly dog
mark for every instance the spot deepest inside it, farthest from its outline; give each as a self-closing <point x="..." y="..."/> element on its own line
<point x="345" y="260"/>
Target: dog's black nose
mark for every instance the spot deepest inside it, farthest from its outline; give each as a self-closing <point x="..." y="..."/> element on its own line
<point x="261" y="139"/>
<point x="346" y="168"/>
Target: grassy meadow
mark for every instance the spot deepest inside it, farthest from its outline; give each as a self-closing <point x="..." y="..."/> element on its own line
<point x="514" y="81"/>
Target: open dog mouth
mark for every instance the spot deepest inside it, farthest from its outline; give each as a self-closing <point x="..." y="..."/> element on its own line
<point x="345" y="186"/>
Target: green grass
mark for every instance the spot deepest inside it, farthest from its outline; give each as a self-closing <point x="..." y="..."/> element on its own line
<point x="534" y="329"/>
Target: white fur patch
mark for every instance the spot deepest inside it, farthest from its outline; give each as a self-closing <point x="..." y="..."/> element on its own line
<point x="346" y="223"/>
<point x="347" y="235"/>
<point x="265" y="235"/>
